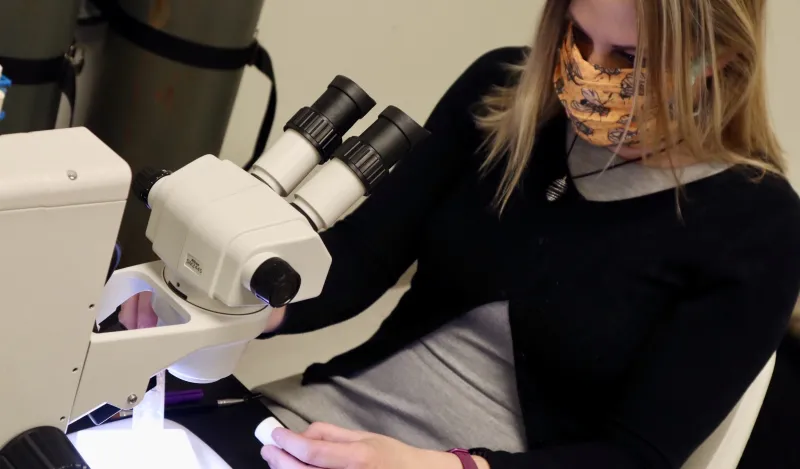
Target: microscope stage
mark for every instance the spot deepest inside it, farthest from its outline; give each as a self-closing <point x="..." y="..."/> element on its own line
<point x="115" y="446"/>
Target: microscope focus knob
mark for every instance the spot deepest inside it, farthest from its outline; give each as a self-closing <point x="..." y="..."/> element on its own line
<point x="276" y="282"/>
<point x="41" y="448"/>
<point x="145" y="180"/>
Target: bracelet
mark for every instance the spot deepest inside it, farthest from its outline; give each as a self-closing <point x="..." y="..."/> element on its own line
<point x="466" y="459"/>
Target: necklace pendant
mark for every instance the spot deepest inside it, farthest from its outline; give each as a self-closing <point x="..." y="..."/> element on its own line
<point x="556" y="189"/>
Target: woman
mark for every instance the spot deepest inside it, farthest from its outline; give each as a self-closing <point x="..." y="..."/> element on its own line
<point x="607" y="256"/>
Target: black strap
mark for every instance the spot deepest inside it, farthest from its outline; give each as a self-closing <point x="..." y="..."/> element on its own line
<point x="173" y="47"/>
<point x="69" y="87"/>
<point x="33" y="72"/>
<point x="263" y="63"/>
<point x="196" y="55"/>
<point x="91" y="21"/>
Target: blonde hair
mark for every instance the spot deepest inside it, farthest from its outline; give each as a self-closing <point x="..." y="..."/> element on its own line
<point x="728" y="123"/>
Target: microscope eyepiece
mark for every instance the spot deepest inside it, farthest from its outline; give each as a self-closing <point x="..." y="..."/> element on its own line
<point x="311" y="136"/>
<point x="339" y="111"/>
<point x="372" y="154"/>
<point x="393" y="135"/>
<point x="358" y="167"/>
<point x="325" y="122"/>
<point x="144" y="182"/>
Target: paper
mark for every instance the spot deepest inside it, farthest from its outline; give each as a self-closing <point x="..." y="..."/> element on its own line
<point x="115" y="446"/>
<point x="148" y="416"/>
<point x="130" y="449"/>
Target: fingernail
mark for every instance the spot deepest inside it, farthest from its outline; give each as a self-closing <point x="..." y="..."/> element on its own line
<point x="266" y="453"/>
<point x="278" y="434"/>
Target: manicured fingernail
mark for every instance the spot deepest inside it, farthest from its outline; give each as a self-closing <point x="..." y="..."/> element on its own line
<point x="268" y="453"/>
<point x="278" y="435"/>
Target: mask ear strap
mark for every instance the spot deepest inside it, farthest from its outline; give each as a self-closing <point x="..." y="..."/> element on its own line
<point x="698" y="67"/>
<point x="698" y="70"/>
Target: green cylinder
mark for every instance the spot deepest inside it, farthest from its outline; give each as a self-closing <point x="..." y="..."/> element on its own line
<point x="34" y="30"/>
<point x="160" y="113"/>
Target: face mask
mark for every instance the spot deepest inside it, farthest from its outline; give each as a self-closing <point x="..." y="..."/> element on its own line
<point x="598" y="100"/>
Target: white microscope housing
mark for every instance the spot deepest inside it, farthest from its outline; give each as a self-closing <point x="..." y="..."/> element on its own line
<point x="231" y="249"/>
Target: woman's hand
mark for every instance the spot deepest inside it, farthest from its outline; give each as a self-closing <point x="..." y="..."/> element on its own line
<point x="137" y="313"/>
<point x="330" y="447"/>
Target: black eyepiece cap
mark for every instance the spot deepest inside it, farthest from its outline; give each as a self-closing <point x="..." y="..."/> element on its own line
<point x="361" y="99"/>
<point x="343" y="104"/>
<point x="332" y="115"/>
<point x="413" y="132"/>
<point x="372" y="154"/>
<point x="393" y="135"/>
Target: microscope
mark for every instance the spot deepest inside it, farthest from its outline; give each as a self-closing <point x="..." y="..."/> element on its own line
<point x="232" y="245"/>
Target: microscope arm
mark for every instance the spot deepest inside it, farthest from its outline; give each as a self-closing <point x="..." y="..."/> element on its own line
<point x="119" y="365"/>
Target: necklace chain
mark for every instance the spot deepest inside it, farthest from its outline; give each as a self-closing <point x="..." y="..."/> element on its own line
<point x="558" y="188"/>
<point x="598" y="171"/>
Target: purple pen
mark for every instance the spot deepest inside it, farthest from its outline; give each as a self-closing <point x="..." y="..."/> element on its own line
<point x="182" y="397"/>
<point x="194" y="407"/>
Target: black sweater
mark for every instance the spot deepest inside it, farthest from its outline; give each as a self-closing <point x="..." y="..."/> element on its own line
<point x="635" y="330"/>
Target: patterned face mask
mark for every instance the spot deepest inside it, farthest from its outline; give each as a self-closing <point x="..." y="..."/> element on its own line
<point x="598" y="100"/>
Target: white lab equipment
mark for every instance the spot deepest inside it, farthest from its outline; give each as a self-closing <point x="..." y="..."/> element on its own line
<point x="264" y="431"/>
<point x="230" y="250"/>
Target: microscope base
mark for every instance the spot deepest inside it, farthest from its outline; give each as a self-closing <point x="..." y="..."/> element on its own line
<point x="115" y="446"/>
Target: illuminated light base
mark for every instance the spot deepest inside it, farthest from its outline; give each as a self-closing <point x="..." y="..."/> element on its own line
<point x="115" y="446"/>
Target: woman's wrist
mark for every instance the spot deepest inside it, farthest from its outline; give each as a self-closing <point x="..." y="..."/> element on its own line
<point x="441" y="460"/>
<point x="275" y="320"/>
<point x="482" y="463"/>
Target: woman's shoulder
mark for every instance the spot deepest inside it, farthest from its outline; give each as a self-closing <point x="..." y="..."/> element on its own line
<point x="755" y="193"/>
<point x="748" y="206"/>
<point x="455" y="111"/>
<point x="501" y="57"/>
<point x="493" y="68"/>
<point x="496" y="67"/>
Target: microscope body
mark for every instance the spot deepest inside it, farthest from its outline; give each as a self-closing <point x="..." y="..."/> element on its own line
<point x="213" y="225"/>
<point x="231" y="248"/>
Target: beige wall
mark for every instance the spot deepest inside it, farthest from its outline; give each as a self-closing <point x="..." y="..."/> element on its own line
<point x="407" y="52"/>
<point x="404" y="53"/>
<point x="783" y="65"/>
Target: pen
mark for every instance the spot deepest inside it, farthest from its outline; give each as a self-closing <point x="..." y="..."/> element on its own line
<point x="179" y="397"/>
<point x="172" y="409"/>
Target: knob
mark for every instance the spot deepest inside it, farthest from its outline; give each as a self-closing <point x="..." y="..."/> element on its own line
<point x="41" y="448"/>
<point x="275" y="282"/>
<point x="145" y="180"/>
